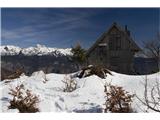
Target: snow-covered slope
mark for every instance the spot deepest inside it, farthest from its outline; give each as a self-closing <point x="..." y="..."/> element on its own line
<point x="37" y="50"/>
<point x="88" y="97"/>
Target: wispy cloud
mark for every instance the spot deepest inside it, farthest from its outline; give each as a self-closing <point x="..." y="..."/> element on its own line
<point x="43" y="23"/>
<point x="60" y="26"/>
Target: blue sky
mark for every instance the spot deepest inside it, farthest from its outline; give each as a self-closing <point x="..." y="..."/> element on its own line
<point x="64" y="27"/>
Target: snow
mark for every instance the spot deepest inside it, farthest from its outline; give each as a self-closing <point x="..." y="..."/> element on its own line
<point x="37" y="50"/>
<point x="88" y="97"/>
<point x="9" y="50"/>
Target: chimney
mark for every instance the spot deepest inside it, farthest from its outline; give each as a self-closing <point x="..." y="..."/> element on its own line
<point x="126" y="30"/>
<point x="114" y="23"/>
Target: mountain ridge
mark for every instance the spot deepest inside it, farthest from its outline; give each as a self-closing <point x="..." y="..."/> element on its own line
<point x="38" y="50"/>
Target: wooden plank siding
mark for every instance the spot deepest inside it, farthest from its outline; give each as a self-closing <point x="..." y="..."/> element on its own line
<point x="114" y="49"/>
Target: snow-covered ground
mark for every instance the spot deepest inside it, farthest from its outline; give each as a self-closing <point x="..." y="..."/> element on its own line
<point x="37" y="50"/>
<point x="88" y="97"/>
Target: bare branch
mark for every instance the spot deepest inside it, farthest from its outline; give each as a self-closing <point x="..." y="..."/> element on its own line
<point x="154" y="102"/>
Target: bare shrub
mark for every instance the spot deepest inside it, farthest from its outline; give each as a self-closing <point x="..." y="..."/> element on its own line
<point x="11" y="75"/>
<point x="94" y="70"/>
<point x="117" y="100"/>
<point x="23" y="100"/>
<point x="151" y="97"/>
<point x="70" y="84"/>
<point x="152" y="49"/>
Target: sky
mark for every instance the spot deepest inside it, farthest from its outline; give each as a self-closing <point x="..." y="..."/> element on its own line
<point x="64" y="27"/>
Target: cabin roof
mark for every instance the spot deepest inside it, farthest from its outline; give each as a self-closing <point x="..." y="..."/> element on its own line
<point x="134" y="46"/>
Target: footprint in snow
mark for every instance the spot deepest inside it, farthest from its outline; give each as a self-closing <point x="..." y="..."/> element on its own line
<point x="59" y="104"/>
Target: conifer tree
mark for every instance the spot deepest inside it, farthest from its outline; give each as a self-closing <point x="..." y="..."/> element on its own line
<point x="78" y="55"/>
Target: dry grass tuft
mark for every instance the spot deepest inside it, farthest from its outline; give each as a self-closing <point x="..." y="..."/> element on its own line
<point x="70" y="84"/>
<point x="23" y="100"/>
<point x="118" y="100"/>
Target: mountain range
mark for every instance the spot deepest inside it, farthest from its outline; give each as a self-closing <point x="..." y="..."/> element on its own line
<point x="38" y="50"/>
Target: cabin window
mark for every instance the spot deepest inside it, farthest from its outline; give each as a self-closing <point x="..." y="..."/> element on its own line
<point x="102" y="52"/>
<point x="115" y="42"/>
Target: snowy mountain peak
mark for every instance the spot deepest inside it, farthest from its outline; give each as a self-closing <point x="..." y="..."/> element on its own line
<point x="40" y="46"/>
<point x="37" y="50"/>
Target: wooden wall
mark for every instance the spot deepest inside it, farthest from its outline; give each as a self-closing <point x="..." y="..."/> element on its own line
<point x="113" y="52"/>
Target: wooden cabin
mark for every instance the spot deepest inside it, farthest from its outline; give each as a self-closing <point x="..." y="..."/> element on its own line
<point x="114" y="49"/>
